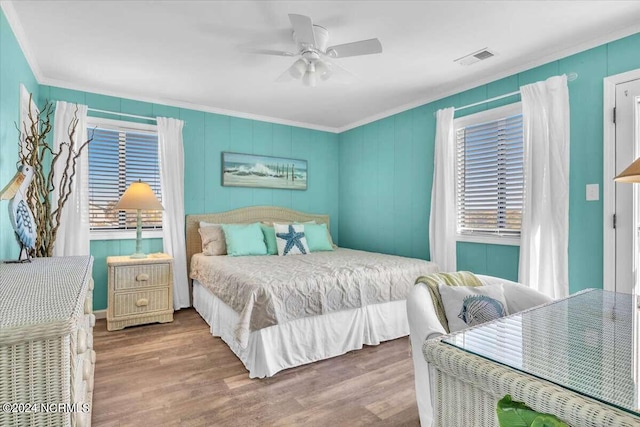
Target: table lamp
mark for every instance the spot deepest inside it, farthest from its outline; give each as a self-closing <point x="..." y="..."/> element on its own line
<point x="631" y="173"/>
<point x="140" y="197"/>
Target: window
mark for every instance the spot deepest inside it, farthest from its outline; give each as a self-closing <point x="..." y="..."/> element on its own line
<point x="120" y="154"/>
<point x="490" y="176"/>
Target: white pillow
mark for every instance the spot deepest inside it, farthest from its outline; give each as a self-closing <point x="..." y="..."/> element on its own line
<point x="467" y="306"/>
<point x="290" y="239"/>
<point x="213" y="241"/>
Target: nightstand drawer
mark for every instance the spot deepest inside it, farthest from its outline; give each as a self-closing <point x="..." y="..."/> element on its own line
<point x="141" y="276"/>
<point x="141" y="302"/>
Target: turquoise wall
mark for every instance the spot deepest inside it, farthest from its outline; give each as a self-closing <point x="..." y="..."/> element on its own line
<point x="206" y="136"/>
<point x="14" y="70"/>
<point x="386" y="170"/>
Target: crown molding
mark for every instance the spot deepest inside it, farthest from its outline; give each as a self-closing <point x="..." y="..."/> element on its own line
<point x="187" y="105"/>
<point x="20" y="35"/>
<point x="592" y="43"/>
<point x="18" y="31"/>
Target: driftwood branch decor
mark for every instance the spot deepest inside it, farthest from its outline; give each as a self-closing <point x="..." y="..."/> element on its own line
<point x="36" y="151"/>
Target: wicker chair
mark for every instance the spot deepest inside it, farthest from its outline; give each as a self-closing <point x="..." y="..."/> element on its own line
<point x="424" y="324"/>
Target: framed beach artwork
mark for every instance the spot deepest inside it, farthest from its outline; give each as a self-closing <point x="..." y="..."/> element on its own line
<point x="248" y="170"/>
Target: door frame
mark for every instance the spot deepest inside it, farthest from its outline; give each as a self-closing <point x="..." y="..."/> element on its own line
<point x="609" y="169"/>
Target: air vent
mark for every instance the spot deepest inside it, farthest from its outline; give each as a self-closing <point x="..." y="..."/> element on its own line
<point x="474" y="57"/>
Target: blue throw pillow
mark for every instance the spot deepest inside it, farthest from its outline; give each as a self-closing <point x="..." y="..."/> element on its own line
<point x="270" y="239"/>
<point x="317" y="237"/>
<point x="244" y="239"/>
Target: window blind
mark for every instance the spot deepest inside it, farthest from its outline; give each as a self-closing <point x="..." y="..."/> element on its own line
<point x="117" y="158"/>
<point x="490" y="177"/>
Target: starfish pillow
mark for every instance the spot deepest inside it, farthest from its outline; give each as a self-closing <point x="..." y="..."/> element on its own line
<point x="290" y="239"/>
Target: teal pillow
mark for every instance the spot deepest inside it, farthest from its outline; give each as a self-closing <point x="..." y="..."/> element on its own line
<point x="317" y="237"/>
<point x="244" y="239"/>
<point x="270" y="239"/>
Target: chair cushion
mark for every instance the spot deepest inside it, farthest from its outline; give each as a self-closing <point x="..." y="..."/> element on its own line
<point x="460" y="278"/>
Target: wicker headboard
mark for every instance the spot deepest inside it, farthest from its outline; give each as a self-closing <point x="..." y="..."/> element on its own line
<point x="243" y="216"/>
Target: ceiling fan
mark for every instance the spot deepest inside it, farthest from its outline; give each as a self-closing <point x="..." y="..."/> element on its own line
<point x="315" y="57"/>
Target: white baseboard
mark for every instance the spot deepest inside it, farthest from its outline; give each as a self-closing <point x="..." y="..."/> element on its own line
<point x="100" y="314"/>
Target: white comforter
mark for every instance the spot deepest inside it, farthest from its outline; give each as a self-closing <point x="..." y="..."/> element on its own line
<point x="270" y="290"/>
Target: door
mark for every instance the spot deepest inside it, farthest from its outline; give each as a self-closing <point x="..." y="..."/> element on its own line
<point x="627" y="197"/>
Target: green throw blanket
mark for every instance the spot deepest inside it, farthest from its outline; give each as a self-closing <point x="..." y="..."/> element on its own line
<point x="460" y="278"/>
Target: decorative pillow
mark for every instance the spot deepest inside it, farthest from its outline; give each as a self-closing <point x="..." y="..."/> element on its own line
<point x="317" y="237"/>
<point x="270" y="239"/>
<point x="213" y="241"/>
<point x="244" y="239"/>
<point x="470" y="306"/>
<point x="458" y="278"/>
<point x="290" y="239"/>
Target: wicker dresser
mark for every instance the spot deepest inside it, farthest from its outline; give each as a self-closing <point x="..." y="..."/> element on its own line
<point x="140" y="290"/>
<point x="46" y="342"/>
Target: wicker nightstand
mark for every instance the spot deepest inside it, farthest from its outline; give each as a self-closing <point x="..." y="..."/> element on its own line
<point x="140" y="290"/>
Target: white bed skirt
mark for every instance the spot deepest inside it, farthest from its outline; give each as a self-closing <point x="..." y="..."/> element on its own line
<point x="305" y="340"/>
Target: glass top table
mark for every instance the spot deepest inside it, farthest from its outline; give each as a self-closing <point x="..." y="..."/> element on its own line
<point x="586" y="343"/>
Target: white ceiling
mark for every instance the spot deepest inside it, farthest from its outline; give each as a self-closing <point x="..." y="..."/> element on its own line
<point x="188" y="53"/>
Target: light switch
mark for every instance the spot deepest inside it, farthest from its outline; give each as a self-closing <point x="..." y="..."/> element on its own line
<point x="593" y="192"/>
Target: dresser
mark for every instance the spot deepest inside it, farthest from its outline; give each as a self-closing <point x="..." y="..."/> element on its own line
<point x="140" y="290"/>
<point x="46" y="342"/>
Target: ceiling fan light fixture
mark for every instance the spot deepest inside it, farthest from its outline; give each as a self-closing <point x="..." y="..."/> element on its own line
<point x="315" y="56"/>
<point x="310" y="77"/>
<point x="298" y="68"/>
<point x="323" y="69"/>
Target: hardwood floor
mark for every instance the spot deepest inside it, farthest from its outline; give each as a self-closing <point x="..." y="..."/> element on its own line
<point x="177" y="374"/>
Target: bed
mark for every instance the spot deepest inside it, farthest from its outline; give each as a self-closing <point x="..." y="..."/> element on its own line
<point x="279" y="312"/>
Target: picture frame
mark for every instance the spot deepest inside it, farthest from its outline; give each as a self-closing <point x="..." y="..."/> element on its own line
<point x="256" y="171"/>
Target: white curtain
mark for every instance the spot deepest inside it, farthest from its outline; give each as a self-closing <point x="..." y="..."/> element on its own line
<point x="171" y="159"/>
<point x="545" y="213"/>
<point x="73" y="232"/>
<point x="442" y="222"/>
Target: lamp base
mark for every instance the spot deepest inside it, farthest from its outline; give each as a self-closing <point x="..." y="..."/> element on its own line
<point x="138" y="255"/>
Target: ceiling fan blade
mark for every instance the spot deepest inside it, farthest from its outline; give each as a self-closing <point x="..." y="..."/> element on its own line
<point x="266" y="51"/>
<point x="363" y="47"/>
<point x="303" y="29"/>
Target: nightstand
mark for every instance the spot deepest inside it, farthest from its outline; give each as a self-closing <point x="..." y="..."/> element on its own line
<point x="140" y="290"/>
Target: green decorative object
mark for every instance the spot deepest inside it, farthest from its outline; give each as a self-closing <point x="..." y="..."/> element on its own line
<point x="517" y="414"/>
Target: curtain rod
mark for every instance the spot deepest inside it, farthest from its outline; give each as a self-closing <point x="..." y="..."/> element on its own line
<point x="95" y="110"/>
<point x="570" y="77"/>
